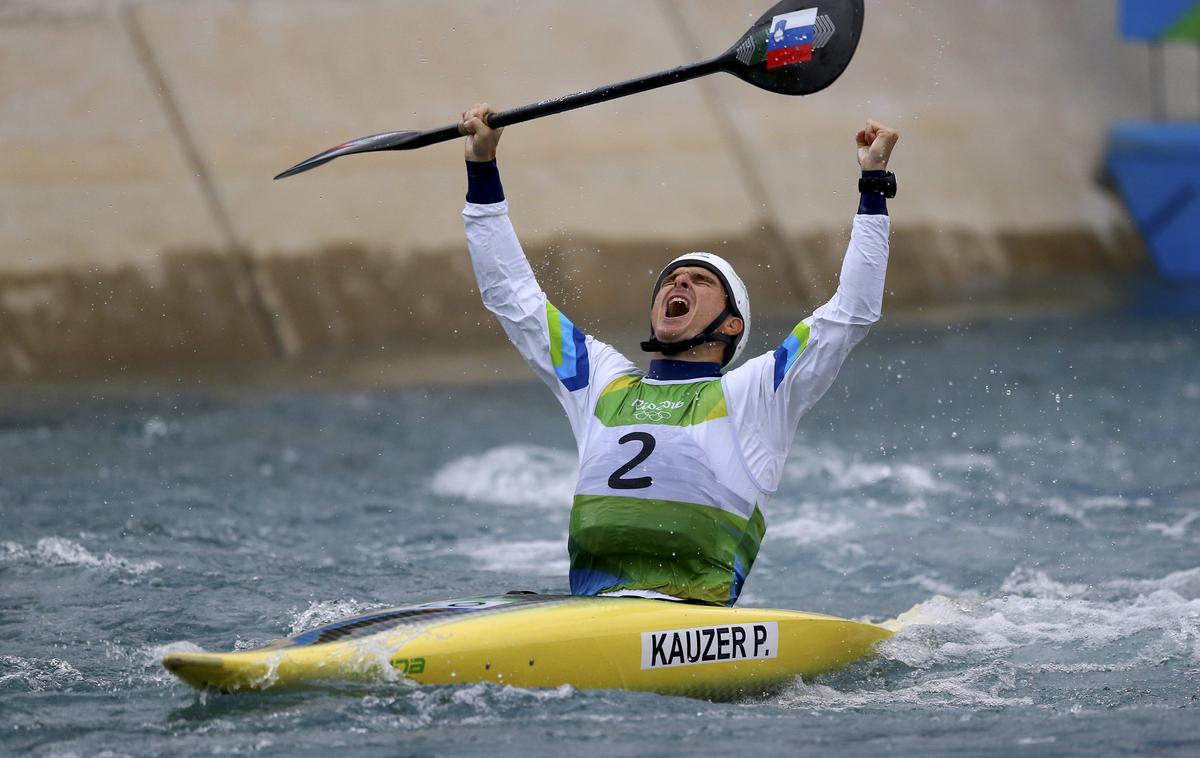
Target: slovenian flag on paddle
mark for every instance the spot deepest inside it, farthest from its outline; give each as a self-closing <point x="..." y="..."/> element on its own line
<point x="790" y="39"/>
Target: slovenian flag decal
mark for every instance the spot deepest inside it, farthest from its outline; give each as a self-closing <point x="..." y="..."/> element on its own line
<point x="790" y="38"/>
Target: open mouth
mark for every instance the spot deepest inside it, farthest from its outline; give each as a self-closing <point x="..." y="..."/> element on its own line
<point x="677" y="307"/>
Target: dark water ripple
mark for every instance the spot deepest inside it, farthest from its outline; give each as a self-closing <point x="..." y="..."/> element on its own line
<point x="1029" y="489"/>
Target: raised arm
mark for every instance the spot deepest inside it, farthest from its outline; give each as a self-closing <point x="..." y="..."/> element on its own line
<point x="559" y="352"/>
<point x="782" y="386"/>
<point x="858" y="300"/>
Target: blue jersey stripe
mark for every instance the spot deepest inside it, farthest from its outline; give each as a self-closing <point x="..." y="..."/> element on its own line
<point x="787" y="353"/>
<point x="582" y="369"/>
<point x="566" y="369"/>
<point x="574" y="369"/>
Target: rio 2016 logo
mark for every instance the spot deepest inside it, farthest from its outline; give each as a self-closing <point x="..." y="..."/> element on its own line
<point x="660" y="411"/>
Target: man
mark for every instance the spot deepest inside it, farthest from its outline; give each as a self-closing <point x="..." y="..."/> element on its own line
<point x="676" y="463"/>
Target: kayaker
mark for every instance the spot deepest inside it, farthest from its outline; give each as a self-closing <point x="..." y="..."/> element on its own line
<point x="677" y="462"/>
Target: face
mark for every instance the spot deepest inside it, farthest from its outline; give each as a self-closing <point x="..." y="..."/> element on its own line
<point x="688" y="300"/>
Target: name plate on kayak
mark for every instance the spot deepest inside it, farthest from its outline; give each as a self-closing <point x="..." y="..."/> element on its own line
<point x="710" y="644"/>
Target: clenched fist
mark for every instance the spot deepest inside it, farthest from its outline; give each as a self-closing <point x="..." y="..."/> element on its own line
<point x="875" y="144"/>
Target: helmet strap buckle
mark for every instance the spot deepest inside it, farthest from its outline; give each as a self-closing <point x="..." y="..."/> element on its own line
<point x="706" y="335"/>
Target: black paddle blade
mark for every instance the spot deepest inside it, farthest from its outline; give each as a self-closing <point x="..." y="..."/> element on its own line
<point x="799" y="46"/>
<point x="369" y="144"/>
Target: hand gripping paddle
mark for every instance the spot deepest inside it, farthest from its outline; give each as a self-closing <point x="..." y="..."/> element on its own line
<point x="796" y="48"/>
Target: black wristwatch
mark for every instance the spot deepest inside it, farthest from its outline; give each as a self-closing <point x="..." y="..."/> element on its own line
<point x="884" y="184"/>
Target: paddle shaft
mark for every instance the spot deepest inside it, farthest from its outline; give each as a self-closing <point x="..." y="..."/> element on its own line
<point x="573" y="101"/>
<point x="824" y="47"/>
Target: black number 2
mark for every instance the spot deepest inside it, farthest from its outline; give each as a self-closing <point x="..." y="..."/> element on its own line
<point x="637" y="483"/>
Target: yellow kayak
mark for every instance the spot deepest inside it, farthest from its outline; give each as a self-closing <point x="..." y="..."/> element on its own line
<point x="528" y="640"/>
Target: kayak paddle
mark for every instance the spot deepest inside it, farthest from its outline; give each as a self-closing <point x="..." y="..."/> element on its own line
<point x="796" y="48"/>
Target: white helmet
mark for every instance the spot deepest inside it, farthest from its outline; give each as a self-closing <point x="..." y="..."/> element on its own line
<point x="737" y="304"/>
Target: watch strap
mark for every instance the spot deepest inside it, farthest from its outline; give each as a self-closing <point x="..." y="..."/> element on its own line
<point x="878" y="182"/>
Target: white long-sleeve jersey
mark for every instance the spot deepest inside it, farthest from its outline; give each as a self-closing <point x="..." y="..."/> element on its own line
<point x="674" y="475"/>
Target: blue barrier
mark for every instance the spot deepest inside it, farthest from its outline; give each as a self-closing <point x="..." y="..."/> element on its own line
<point x="1154" y="20"/>
<point x="1157" y="169"/>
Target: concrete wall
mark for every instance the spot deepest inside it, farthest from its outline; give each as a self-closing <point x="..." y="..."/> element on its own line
<point x="139" y="224"/>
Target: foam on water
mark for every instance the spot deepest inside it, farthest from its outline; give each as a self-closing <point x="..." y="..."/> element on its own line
<point x="485" y="702"/>
<point x="810" y="528"/>
<point x="514" y="475"/>
<point x="952" y="646"/>
<point x="1080" y="508"/>
<point x="156" y="428"/>
<point x="1175" y="529"/>
<point x="60" y="551"/>
<point x="536" y="557"/>
<point x="932" y="584"/>
<point x="990" y="685"/>
<point x="838" y="471"/>
<point x="477" y="704"/>
<point x="1185" y="582"/>
<point x="36" y="674"/>
<point x="968" y="461"/>
<point x="978" y="652"/>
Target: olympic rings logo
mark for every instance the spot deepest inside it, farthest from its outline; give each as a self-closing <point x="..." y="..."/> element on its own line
<point x="660" y="411"/>
<point x="652" y="415"/>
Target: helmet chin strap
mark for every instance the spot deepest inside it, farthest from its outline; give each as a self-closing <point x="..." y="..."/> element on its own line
<point x="708" y="334"/>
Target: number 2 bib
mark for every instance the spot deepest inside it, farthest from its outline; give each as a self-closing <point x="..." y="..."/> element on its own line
<point x="663" y="501"/>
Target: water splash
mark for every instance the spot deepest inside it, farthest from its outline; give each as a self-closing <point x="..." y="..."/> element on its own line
<point x="987" y="686"/>
<point x="59" y="551"/>
<point x="319" y="613"/>
<point x="37" y="674"/>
